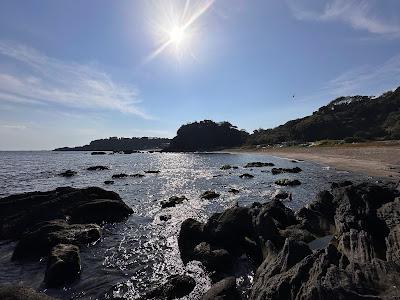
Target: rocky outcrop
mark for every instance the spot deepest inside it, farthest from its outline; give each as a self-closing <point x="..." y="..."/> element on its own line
<point x="246" y="175"/>
<point x="208" y="195"/>
<point x="68" y="173"/>
<point x="258" y="164"/>
<point x="228" y="167"/>
<point x="64" y="265"/>
<point x="120" y="175"/>
<point x="287" y="182"/>
<point x="276" y="171"/>
<point x="56" y="223"/>
<point x="357" y="228"/>
<point x="98" y="168"/>
<point x="98" y="153"/>
<point x="177" y="286"/>
<point x="173" y="201"/>
<point x="16" y="292"/>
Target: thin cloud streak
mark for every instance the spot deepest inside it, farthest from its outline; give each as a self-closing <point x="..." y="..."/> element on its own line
<point x="366" y="80"/>
<point x="356" y="13"/>
<point x="42" y="80"/>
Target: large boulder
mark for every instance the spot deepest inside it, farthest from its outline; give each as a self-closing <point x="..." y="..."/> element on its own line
<point x="63" y="266"/>
<point x="190" y="235"/>
<point x="19" y="213"/>
<point x="16" y="292"/>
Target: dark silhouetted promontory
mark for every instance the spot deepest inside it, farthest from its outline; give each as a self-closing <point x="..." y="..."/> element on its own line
<point x="121" y="144"/>
<point x="207" y="135"/>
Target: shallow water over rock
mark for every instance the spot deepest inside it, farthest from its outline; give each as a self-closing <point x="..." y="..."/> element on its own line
<point x="140" y="253"/>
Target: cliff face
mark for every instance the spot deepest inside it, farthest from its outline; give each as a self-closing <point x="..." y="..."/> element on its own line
<point x="345" y="117"/>
<point x="207" y="135"/>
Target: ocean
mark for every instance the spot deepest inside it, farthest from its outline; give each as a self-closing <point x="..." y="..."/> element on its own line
<point x="140" y="253"/>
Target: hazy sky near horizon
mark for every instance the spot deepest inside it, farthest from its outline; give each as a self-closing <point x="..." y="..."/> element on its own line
<point x="73" y="71"/>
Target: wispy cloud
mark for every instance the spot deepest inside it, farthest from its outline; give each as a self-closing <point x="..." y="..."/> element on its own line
<point x="13" y="126"/>
<point x="359" y="14"/>
<point x="42" y="80"/>
<point x="370" y="80"/>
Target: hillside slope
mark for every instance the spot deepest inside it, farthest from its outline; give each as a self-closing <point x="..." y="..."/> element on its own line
<point x="346" y="117"/>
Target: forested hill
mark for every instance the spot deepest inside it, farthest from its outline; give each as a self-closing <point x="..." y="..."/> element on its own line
<point x="355" y="117"/>
<point x="207" y="135"/>
<point x="121" y="144"/>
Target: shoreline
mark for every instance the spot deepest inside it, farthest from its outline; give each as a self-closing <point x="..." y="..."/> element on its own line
<point x="376" y="160"/>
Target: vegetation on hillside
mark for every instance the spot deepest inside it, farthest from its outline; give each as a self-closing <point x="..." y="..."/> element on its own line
<point x="207" y="135"/>
<point x="346" y="118"/>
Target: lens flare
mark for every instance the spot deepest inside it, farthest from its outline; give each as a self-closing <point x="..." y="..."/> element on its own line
<point x="175" y="25"/>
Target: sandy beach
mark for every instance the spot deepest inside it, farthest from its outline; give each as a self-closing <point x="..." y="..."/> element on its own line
<point x="374" y="159"/>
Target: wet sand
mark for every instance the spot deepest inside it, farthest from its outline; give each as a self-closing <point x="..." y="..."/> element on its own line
<point x="373" y="159"/>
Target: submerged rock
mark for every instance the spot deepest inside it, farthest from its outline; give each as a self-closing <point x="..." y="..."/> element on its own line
<point x="98" y="153"/>
<point x="64" y="265"/>
<point x="259" y="164"/>
<point x="209" y="195"/>
<point x="152" y="172"/>
<point x="282" y="195"/>
<point x="233" y="191"/>
<point x="68" y="173"/>
<point x="16" y="292"/>
<point x="276" y="171"/>
<point x="173" y="201"/>
<point x="121" y="175"/>
<point x="228" y="167"/>
<point x="288" y="182"/>
<point x="165" y="217"/>
<point x="109" y="182"/>
<point x="98" y="168"/>
<point x="246" y="175"/>
<point x="177" y="286"/>
<point x="137" y="175"/>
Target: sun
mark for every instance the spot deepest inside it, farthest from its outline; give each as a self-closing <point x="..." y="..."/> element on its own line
<point x="175" y="25"/>
<point x="177" y="35"/>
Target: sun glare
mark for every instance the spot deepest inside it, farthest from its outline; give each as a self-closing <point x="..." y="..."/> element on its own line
<point x="175" y="25"/>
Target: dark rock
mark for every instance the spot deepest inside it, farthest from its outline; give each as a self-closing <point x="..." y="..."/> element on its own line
<point x="233" y="191"/>
<point x="165" y="217"/>
<point x="341" y="184"/>
<point x="258" y="164"/>
<point x="287" y="182"/>
<point x="228" y="167"/>
<point x="138" y="175"/>
<point x="15" y="292"/>
<point x="209" y="195"/>
<point x="276" y="171"/>
<point x="44" y="236"/>
<point x="68" y="173"/>
<point x="121" y="175"/>
<point x="177" y="286"/>
<point x="218" y="260"/>
<point x="98" y="153"/>
<point x="223" y="290"/>
<point x="98" y="168"/>
<point x="281" y="195"/>
<point x="246" y="175"/>
<point x="21" y="212"/>
<point x="109" y="182"/>
<point x="172" y="201"/>
<point x="63" y="265"/>
<point x="191" y="234"/>
<point x="152" y="172"/>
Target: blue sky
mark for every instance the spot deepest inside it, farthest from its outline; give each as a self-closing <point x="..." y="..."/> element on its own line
<point x="73" y="71"/>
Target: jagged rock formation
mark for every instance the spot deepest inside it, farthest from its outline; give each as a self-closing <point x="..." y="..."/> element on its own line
<point x="56" y="223"/>
<point x="354" y="232"/>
